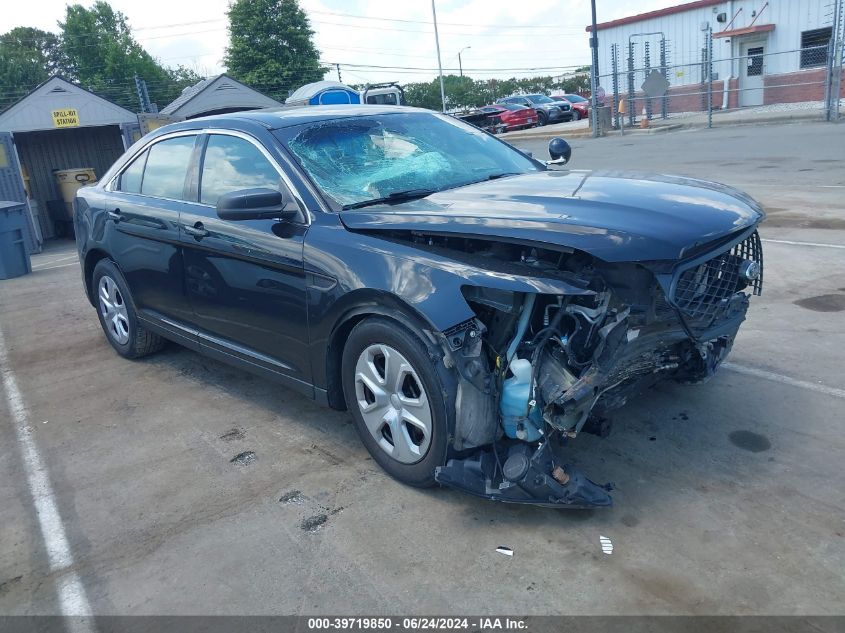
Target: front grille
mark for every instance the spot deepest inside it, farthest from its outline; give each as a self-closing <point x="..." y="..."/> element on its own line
<point x="701" y="290"/>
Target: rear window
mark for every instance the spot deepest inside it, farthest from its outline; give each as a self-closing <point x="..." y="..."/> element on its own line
<point x="167" y="166"/>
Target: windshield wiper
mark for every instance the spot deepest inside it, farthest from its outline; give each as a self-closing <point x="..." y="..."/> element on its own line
<point x="396" y="196"/>
<point x="502" y="175"/>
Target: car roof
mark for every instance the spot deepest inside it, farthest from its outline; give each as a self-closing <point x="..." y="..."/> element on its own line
<point x="277" y="118"/>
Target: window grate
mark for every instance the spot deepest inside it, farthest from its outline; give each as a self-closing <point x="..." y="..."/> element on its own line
<point x="701" y="291"/>
<point x="814" y="46"/>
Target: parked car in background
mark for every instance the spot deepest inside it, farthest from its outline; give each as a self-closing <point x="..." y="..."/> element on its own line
<point x="580" y="106"/>
<point x="510" y="116"/>
<point x="548" y="110"/>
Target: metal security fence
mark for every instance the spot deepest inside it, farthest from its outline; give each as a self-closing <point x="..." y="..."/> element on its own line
<point x="649" y="82"/>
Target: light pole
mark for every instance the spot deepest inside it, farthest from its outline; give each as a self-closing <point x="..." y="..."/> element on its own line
<point x="460" y="65"/>
<point x="439" y="65"/>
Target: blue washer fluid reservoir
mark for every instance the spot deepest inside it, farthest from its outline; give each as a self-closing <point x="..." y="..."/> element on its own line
<point x="514" y="404"/>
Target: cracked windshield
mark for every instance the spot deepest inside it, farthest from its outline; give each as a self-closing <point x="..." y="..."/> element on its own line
<point x="369" y="160"/>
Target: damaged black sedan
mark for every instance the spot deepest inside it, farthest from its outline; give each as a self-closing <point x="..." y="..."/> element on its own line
<point x="469" y="305"/>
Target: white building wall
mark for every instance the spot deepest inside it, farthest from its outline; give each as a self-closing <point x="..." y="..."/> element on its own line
<point x="686" y="39"/>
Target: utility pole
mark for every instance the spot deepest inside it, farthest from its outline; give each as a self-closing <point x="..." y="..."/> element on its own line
<point x="439" y="65"/>
<point x="594" y="73"/>
<point x="460" y="65"/>
<point x="338" y="73"/>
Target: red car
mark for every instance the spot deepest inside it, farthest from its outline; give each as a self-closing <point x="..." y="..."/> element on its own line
<point x="509" y="116"/>
<point x="580" y="105"/>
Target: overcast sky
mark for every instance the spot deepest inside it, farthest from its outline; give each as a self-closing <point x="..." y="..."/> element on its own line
<point x="501" y="34"/>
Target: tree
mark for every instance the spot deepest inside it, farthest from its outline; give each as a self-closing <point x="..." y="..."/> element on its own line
<point x="271" y="46"/>
<point x="28" y="56"/>
<point x="103" y="56"/>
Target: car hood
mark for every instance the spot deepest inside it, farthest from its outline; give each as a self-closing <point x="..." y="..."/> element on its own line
<point x="615" y="216"/>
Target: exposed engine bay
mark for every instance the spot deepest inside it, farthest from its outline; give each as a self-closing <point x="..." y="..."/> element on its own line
<point x="539" y="369"/>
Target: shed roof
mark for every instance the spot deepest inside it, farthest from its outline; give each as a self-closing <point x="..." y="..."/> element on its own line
<point x="35" y="111"/>
<point x="217" y="93"/>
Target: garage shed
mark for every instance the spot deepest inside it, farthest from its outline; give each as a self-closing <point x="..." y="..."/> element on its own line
<point x="216" y="95"/>
<point x="60" y="126"/>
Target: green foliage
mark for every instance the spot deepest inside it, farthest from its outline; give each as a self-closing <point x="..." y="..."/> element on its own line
<point x="28" y="56"/>
<point x="465" y="92"/>
<point x="95" y="49"/>
<point x="271" y="46"/>
<point x="102" y="55"/>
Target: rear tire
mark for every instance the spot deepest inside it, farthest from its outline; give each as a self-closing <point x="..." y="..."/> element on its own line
<point x="117" y="313"/>
<point x="396" y="396"/>
<point x="542" y="118"/>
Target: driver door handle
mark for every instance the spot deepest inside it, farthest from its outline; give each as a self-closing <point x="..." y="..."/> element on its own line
<point x="114" y="214"/>
<point x="197" y="230"/>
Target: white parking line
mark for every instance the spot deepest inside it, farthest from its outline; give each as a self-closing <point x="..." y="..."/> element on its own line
<point x="36" y="261"/>
<point x="35" y="270"/>
<point x="762" y="239"/>
<point x="72" y="597"/>
<point x="786" y="380"/>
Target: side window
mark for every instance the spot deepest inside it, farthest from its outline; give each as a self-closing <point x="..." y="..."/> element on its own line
<point x="130" y="179"/>
<point x="167" y="166"/>
<point x="231" y="164"/>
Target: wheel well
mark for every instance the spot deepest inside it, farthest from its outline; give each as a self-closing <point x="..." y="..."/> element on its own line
<point x="91" y="258"/>
<point x="334" y="353"/>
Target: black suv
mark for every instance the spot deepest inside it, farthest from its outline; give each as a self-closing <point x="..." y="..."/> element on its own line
<point x="464" y="301"/>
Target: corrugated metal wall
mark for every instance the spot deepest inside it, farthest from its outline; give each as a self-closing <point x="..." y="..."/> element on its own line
<point x="686" y="39"/>
<point x="43" y="152"/>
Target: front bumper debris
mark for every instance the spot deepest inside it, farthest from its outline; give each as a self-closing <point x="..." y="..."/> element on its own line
<point x="517" y="473"/>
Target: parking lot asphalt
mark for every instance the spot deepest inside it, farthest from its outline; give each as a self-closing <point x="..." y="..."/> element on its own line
<point x="729" y="496"/>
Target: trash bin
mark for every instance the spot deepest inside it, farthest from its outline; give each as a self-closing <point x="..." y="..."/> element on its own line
<point x="14" y="254"/>
<point x="70" y="180"/>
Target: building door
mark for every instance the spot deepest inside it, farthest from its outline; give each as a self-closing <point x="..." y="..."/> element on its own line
<point x="751" y="74"/>
<point x="12" y="188"/>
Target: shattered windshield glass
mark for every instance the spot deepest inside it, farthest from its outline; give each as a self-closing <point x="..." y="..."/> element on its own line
<point x="370" y="158"/>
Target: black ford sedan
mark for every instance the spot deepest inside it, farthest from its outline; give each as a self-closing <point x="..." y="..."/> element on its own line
<point x="467" y="304"/>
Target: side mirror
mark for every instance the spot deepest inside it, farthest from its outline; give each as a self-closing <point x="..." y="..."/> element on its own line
<point x="256" y="204"/>
<point x="560" y="151"/>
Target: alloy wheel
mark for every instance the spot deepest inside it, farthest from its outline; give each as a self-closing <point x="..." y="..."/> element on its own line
<point x="113" y="309"/>
<point x="393" y="403"/>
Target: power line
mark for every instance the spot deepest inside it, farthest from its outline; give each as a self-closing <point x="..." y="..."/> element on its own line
<point x="427" y="22"/>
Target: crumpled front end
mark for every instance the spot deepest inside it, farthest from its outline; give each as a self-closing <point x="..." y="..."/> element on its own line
<point x="536" y="370"/>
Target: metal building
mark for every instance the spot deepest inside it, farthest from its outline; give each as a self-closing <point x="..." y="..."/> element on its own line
<point x="763" y="51"/>
<point x="216" y="95"/>
<point x="58" y="126"/>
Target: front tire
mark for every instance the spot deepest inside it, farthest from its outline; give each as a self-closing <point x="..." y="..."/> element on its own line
<point x="576" y="116"/>
<point x="396" y="396"/>
<point x="117" y="313"/>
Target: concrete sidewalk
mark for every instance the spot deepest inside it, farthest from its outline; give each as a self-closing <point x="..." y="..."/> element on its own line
<point x="780" y="113"/>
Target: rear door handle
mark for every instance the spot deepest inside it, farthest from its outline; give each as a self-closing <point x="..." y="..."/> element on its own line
<point x="114" y="215"/>
<point x="197" y="230"/>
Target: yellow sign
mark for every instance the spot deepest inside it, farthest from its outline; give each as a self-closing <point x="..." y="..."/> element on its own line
<point x="65" y="118"/>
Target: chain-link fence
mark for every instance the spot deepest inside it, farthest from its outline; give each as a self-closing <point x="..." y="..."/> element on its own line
<point x="645" y="86"/>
